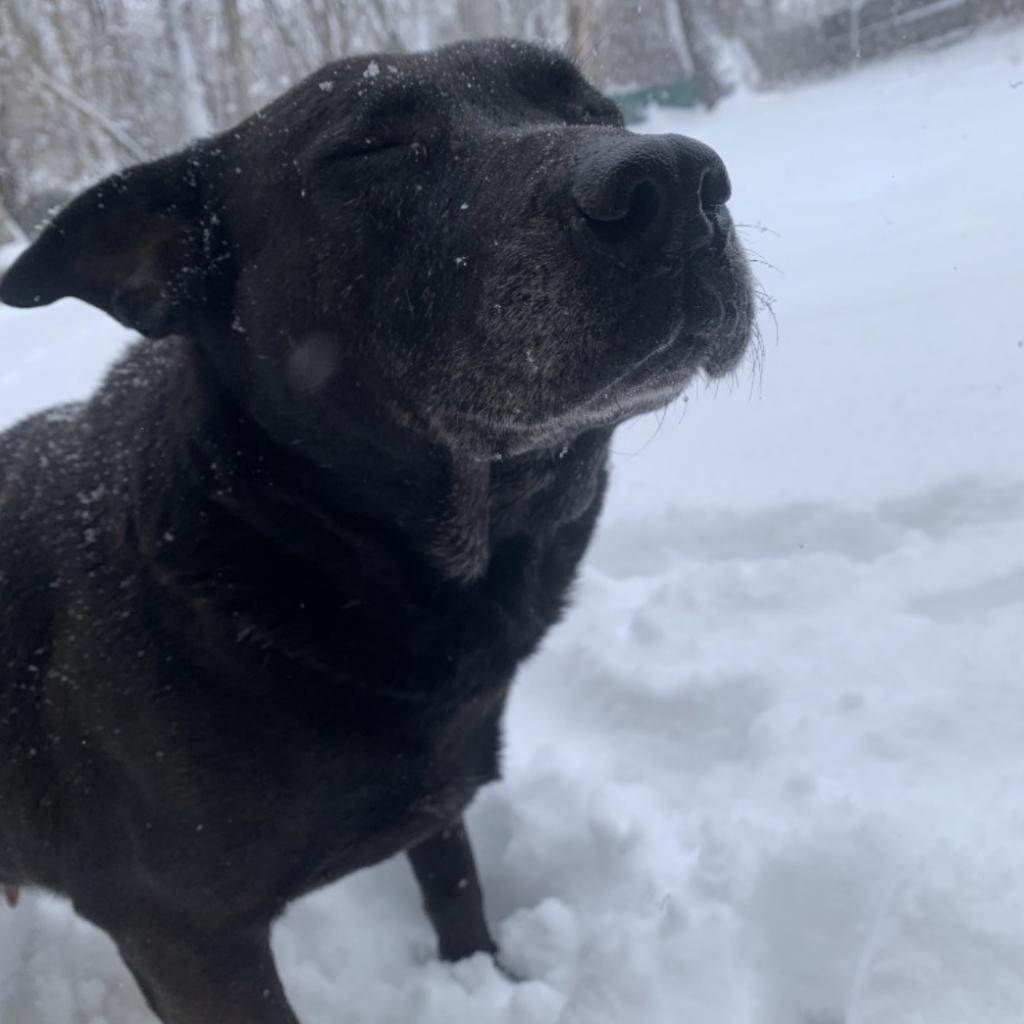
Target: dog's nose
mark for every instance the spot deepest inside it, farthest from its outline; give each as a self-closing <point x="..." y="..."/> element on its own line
<point x="643" y="195"/>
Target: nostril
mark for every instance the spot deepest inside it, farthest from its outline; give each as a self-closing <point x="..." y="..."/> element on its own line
<point x="634" y="218"/>
<point x="644" y="204"/>
<point x="715" y="187"/>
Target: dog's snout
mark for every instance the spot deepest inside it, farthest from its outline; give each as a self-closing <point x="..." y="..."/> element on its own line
<point x="642" y="195"/>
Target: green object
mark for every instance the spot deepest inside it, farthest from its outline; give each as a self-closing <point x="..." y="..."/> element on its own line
<point x="681" y="92"/>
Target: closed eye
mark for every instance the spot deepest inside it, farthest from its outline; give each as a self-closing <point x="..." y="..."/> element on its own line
<point x="365" y="149"/>
<point x="415" y="150"/>
<point x="369" y="147"/>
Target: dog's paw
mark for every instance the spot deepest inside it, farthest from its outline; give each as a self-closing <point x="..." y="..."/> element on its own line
<point x="506" y="971"/>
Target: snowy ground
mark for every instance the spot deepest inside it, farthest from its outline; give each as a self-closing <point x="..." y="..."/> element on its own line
<point x="769" y="771"/>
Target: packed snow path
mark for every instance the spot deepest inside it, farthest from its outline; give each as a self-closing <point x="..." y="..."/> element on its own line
<point x="770" y="769"/>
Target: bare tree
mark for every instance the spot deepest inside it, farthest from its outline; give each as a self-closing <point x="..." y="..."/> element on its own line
<point x="582" y="36"/>
<point x="281" y="25"/>
<point x="87" y="85"/>
<point x="237" y="58"/>
<point x="98" y="119"/>
<point x="194" y="111"/>
<point x="381" y="22"/>
<point x="332" y="28"/>
<point x="700" y="38"/>
<point x="10" y="229"/>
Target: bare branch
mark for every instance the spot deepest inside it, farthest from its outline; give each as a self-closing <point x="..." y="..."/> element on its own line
<point x="114" y="131"/>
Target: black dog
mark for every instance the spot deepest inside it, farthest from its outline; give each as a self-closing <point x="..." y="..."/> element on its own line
<point x="262" y="597"/>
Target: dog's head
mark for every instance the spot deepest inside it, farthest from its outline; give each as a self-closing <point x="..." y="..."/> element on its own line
<point x="468" y="238"/>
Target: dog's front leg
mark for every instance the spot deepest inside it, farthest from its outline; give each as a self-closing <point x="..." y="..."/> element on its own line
<point x="207" y="979"/>
<point x="446" y="872"/>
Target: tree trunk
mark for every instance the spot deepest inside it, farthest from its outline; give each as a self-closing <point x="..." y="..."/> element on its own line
<point x="195" y="115"/>
<point x="700" y="44"/>
<point x="68" y="55"/>
<point x="582" y="42"/>
<point x="331" y="27"/>
<point x="10" y="229"/>
<point x="238" y="59"/>
<point x="382" y="25"/>
<point x="8" y="184"/>
<point x="294" y="57"/>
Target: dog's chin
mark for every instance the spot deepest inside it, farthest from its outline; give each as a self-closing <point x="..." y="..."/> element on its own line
<point x="724" y="352"/>
<point x="657" y="381"/>
<point x="720" y="302"/>
<point x="666" y="371"/>
<point x="725" y="340"/>
<point x="651" y="383"/>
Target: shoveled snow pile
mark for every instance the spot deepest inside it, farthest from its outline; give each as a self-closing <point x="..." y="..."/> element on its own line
<point x="770" y="769"/>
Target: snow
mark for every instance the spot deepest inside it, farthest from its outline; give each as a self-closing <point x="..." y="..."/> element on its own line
<point x="768" y="771"/>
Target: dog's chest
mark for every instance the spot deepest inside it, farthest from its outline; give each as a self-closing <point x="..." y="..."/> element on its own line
<point x="395" y="745"/>
<point x="330" y="714"/>
<point x="351" y="812"/>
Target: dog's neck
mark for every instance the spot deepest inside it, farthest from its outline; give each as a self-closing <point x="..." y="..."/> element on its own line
<point x="450" y="508"/>
<point x="460" y="533"/>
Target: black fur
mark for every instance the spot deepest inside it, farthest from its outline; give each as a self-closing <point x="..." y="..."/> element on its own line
<point x="263" y="595"/>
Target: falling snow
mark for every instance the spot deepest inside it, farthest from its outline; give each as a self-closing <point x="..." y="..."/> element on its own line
<point x="768" y="769"/>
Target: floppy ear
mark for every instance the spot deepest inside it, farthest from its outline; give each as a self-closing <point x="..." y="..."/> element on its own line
<point x="144" y="245"/>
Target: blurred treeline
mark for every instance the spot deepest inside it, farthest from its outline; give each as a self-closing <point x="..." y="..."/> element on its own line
<point x="89" y="85"/>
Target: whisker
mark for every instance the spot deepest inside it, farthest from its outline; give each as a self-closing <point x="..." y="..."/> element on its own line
<point x="760" y="229"/>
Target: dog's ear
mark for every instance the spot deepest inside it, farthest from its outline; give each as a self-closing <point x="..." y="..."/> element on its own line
<point x="145" y="245"/>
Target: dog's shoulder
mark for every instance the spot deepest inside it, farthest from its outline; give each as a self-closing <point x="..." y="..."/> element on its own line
<point x="58" y="464"/>
<point x="35" y="493"/>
